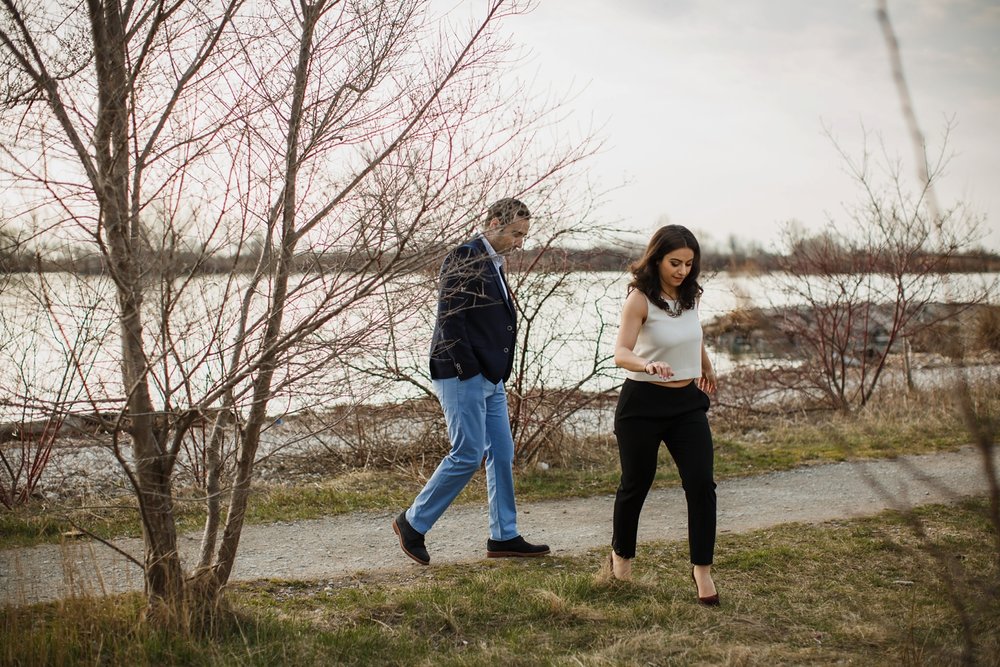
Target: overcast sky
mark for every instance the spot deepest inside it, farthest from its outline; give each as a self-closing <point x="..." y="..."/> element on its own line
<point x="713" y="111"/>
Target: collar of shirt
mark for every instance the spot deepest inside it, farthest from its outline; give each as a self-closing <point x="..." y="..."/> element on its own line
<point x="497" y="262"/>
<point x="497" y="259"/>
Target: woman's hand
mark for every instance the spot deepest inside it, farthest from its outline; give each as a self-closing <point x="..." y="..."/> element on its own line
<point x="659" y="368"/>
<point x="707" y="381"/>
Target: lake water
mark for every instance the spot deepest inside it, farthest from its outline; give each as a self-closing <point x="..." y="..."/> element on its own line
<point x="58" y="340"/>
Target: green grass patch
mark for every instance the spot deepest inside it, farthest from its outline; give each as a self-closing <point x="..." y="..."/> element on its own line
<point x="107" y="518"/>
<point x="350" y="492"/>
<point x="863" y="592"/>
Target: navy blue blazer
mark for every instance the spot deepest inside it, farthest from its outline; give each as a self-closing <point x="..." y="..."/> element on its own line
<point x="476" y="326"/>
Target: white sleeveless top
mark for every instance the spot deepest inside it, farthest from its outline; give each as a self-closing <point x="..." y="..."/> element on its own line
<point x="673" y="340"/>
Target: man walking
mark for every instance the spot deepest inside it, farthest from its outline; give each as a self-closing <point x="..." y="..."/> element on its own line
<point x="472" y="354"/>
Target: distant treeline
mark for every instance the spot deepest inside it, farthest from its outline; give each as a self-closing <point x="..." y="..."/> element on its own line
<point x="545" y="259"/>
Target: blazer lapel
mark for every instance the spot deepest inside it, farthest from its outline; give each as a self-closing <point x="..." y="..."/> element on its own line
<point x="505" y="288"/>
<point x="498" y="276"/>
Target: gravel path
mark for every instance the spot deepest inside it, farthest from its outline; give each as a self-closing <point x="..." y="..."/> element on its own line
<point x="342" y="545"/>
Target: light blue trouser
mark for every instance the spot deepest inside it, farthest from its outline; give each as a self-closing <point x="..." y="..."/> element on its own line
<point x="475" y="410"/>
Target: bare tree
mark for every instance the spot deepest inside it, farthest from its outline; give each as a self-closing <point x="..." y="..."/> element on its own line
<point x="344" y="141"/>
<point x="867" y="284"/>
<point x="564" y="362"/>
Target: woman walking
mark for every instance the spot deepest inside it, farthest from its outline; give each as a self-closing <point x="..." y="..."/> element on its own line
<point x="664" y="399"/>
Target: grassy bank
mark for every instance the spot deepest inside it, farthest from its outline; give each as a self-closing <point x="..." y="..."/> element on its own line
<point x="745" y="445"/>
<point x="862" y="592"/>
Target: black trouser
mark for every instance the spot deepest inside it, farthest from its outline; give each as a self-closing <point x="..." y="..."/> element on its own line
<point x="648" y="414"/>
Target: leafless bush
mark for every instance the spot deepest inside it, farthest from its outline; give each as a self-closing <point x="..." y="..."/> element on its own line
<point x="22" y="465"/>
<point x="987" y="328"/>
<point x="868" y="286"/>
<point x="559" y="365"/>
<point x="403" y="436"/>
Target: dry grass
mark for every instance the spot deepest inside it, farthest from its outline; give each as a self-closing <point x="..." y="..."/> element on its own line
<point x="861" y="592"/>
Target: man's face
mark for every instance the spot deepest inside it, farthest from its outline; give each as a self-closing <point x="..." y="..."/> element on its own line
<point x="505" y="238"/>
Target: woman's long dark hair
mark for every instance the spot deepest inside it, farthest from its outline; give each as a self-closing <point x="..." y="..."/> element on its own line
<point x="645" y="270"/>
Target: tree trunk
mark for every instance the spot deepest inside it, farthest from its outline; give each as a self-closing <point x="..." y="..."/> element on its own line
<point x="213" y="486"/>
<point x="907" y="367"/>
<point x="164" y="581"/>
<point x="250" y="440"/>
<point x="311" y="13"/>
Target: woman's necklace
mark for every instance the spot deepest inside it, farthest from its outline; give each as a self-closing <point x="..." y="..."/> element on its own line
<point x="674" y="310"/>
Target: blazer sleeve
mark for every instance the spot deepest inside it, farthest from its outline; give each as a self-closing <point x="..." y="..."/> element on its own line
<point x="461" y="281"/>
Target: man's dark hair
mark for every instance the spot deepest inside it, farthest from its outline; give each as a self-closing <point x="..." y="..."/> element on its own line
<point x="506" y="210"/>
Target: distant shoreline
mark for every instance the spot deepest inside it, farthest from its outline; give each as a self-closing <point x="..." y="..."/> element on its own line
<point x="538" y="260"/>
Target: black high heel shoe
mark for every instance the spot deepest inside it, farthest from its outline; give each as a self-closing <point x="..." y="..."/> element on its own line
<point x="708" y="601"/>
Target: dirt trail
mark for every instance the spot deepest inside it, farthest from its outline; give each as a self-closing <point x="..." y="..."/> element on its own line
<point x="338" y="546"/>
